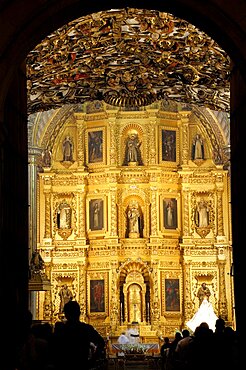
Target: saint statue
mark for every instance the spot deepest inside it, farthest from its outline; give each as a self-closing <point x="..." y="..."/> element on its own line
<point x="197" y="148"/>
<point x="132" y="149"/>
<point x="133" y="216"/>
<point x="67" y="148"/>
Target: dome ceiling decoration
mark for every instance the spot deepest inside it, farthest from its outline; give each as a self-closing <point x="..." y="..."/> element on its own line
<point x="128" y="58"/>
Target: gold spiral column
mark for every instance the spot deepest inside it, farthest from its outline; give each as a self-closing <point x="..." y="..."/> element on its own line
<point x="47" y="230"/>
<point x="153" y="226"/>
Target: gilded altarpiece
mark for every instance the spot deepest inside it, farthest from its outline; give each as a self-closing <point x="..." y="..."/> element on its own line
<point x="133" y="223"/>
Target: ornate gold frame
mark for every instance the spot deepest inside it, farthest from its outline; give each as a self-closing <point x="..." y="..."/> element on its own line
<point x="162" y="223"/>
<point x="98" y="275"/>
<point x="104" y="228"/>
<point x="170" y="275"/>
<point x="104" y="144"/>
<point x="166" y="162"/>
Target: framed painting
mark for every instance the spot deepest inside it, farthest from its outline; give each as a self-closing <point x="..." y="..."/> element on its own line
<point x="172" y="295"/>
<point x="95" y="144"/>
<point x="97" y="295"/>
<point x="168" y="145"/>
<point x="96" y="214"/>
<point x="170" y="219"/>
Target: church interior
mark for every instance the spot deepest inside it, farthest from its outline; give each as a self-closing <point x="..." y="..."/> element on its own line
<point x="122" y="160"/>
<point x="130" y="195"/>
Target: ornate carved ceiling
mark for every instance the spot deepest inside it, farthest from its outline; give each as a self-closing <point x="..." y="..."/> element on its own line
<point x="128" y="58"/>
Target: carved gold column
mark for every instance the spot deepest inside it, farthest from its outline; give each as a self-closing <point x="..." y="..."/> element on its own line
<point x="113" y="215"/>
<point x="186" y="213"/>
<point x="153" y="211"/>
<point x="81" y="141"/>
<point x="48" y="307"/>
<point x="188" y="305"/>
<point x="115" y="298"/>
<point x="47" y="230"/>
<point x="185" y="136"/>
<point x="114" y="135"/>
<point x="152" y="141"/>
<point x="223" y="312"/>
<point x="81" y="214"/>
<point x="155" y="309"/>
<point x="220" y="230"/>
<point x="82" y="289"/>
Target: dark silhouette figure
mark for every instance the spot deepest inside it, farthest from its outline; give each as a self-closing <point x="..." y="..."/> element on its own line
<point x="76" y="344"/>
<point x="34" y="351"/>
<point x="165" y="352"/>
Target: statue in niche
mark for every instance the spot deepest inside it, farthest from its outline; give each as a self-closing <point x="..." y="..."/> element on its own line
<point x="64" y="216"/>
<point x="67" y="149"/>
<point x="134" y="220"/>
<point x="202" y="214"/>
<point x="132" y="149"/>
<point x="197" y="148"/>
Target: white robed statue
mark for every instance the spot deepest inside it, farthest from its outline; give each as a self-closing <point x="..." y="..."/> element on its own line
<point x="206" y="314"/>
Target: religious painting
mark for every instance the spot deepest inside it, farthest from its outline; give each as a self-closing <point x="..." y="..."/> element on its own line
<point x="96" y="146"/>
<point x="168" y="145"/>
<point x="96" y="214"/>
<point x="170" y="213"/>
<point x="172" y="295"/>
<point x="97" y="295"/>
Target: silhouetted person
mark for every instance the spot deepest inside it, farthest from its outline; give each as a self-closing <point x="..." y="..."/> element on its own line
<point x="76" y="343"/>
<point x="164" y="352"/>
<point x="34" y="350"/>
<point x="71" y="341"/>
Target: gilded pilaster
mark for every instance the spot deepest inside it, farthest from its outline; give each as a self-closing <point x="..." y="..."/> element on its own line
<point x="188" y="307"/>
<point x="220" y="230"/>
<point x="155" y="314"/>
<point x="223" y="311"/>
<point x="113" y="223"/>
<point x="81" y="213"/>
<point x="185" y="137"/>
<point x="152" y="142"/>
<point x="81" y="144"/>
<point x="82" y="289"/>
<point x="113" y="130"/>
<point x="114" y="301"/>
<point x="48" y="307"/>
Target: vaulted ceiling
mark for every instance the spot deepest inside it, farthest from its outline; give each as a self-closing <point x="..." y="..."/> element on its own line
<point x="128" y="58"/>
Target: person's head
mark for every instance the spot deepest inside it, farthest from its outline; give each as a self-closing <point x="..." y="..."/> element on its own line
<point x="166" y="340"/>
<point x="72" y="311"/>
<point x="185" y="333"/>
<point x="204" y="285"/>
<point x="219" y="324"/>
